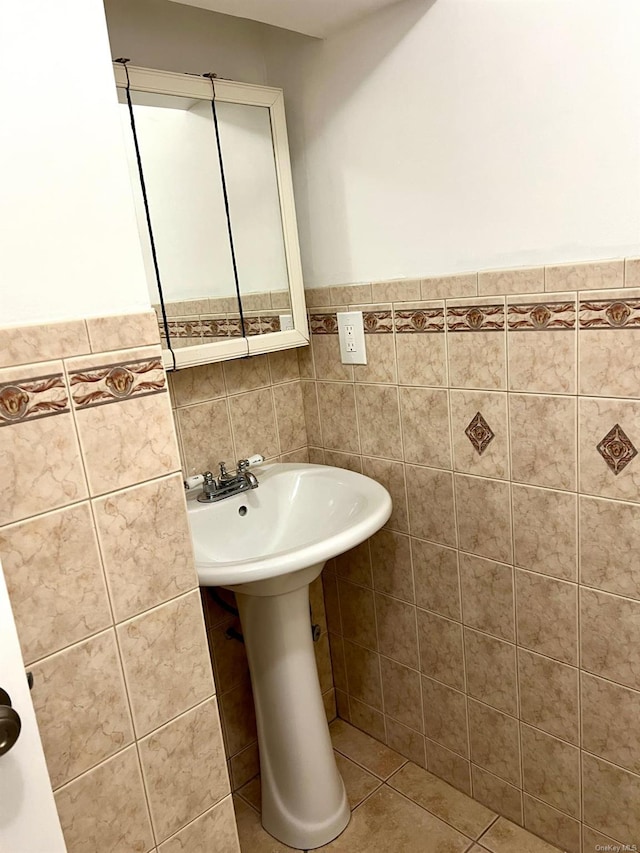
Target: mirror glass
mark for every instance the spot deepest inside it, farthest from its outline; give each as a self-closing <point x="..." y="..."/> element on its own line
<point x="256" y="221"/>
<point x="186" y="207"/>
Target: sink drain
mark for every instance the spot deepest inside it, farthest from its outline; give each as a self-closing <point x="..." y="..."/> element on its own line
<point x="242" y="510"/>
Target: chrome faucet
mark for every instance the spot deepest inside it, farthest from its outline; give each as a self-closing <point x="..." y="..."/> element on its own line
<point x="227" y="484"/>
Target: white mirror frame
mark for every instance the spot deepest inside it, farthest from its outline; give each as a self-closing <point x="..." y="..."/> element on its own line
<point x="192" y="86"/>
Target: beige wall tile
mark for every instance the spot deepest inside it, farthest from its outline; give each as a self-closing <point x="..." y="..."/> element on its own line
<point x="632" y="272"/>
<point x="229" y="657"/>
<point x="483" y="511"/>
<point x="552" y="825"/>
<point x="391" y="564"/>
<point x="406" y="741"/>
<point x="355" y="565"/>
<point x="26" y="457"/>
<point x="609" y="541"/>
<point x="587" y="276"/>
<point x="74" y="692"/>
<point x="171" y="636"/>
<point x="205" y="433"/>
<point x="363" y="674"/>
<point x="430" y="496"/>
<point x="491" y="671"/>
<point x="591" y="838"/>
<point x="610" y="716"/>
<point x="153" y="514"/>
<point x="601" y="651"/>
<point x="367" y="718"/>
<point x="348" y="461"/>
<point x="379" y="421"/>
<point x="330" y="589"/>
<point x="305" y="362"/>
<point x="611" y="797"/>
<point x="402" y="290"/>
<point x="253" y="424"/>
<point x="596" y="419"/>
<point x="197" y="384"/>
<point x="350" y="293"/>
<point x="441" y="649"/>
<point x="42" y="342"/>
<point x="338" y="433"/>
<point x="523" y="280"/>
<point x="290" y="418"/>
<point x="494" y="741"/>
<point x="549" y="695"/>
<point x="215" y="829"/>
<point x="106" y="809"/>
<point x="50" y="616"/>
<point x="547" y="616"/>
<point x="497" y="794"/>
<point x="311" y="412"/>
<point x="477" y="360"/>
<point x="422" y="359"/>
<point x="284" y="366"/>
<point x="425" y="426"/>
<point x="317" y="296"/>
<point x="246" y="374"/>
<point x="238" y="717"/>
<point x="503" y="837"/>
<point x="551" y="770"/>
<point x="440" y="799"/>
<point x="436" y="578"/>
<point x="392" y="477"/>
<point x="401" y="694"/>
<point x="127" y="442"/>
<point x="326" y="357"/>
<point x="545" y="531"/>
<point x="381" y="360"/>
<point x="609" y="362"/>
<point x="449" y="286"/>
<point x="487" y="596"/>
<point x="449" y="766"/>
<point x="358" y="614"/>
<point x="486" y="455"/>
<point x="547" y="422"/>
<point x="445" y="716"/>
<point x="397" y="635"/>
<point x="191" y="746"/>
<point x="122" y="331"/>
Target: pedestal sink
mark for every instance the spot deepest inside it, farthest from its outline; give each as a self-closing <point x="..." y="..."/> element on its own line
<point x="267" y="545"/>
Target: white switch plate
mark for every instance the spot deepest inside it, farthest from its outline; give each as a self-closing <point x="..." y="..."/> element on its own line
<point x="351" y="335"/>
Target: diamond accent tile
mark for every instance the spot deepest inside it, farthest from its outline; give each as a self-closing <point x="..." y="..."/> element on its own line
<point x="479" y="433"/>
<point x="616" y="449"/>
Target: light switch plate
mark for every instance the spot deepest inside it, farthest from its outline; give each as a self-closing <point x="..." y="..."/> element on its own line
<point x="351" y="335"/>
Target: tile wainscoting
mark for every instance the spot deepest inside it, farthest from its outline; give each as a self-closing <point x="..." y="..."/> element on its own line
<point x="490" y="631"/>
<point x="97" y="555"/>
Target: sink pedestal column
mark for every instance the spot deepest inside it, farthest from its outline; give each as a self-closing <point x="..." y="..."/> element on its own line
<point x="304" y="803"/>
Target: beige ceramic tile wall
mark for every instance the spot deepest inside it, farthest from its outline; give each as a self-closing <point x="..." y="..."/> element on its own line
<point x="490" y="631"/>
<point x="225" y="412"/>
<point x="96" y="551"/>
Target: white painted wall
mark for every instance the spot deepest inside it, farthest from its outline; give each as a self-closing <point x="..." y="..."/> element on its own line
<point x="453" y="135"/>
<point x="68" y="240"/>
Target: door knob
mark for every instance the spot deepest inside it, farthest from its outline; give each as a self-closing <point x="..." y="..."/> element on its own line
<point x="10" y="723"/>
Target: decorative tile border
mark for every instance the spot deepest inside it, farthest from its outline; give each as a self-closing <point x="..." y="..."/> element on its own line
<point x="541" y="316"/>
<point x="610" y="314"/>
<point x="377" y="322"/>
<point x="30" y="399"/>
<point x="479" y="433"/>
<point x="421" y="320"/>
<point x="616" y="449"/>
<point x="323" y="324"/>
<point x="475" y="318"/>
<point x="112" y="383"/>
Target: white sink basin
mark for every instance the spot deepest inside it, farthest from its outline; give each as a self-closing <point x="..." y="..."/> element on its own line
<point x="300" y="515"/>
<point x="267" y="545"/>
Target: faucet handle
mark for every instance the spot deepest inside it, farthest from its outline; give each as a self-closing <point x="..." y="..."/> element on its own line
<point x="243" y="464"/>
<point x="224" y="474"/>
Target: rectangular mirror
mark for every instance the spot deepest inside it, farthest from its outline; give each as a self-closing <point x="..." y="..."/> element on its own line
<point x="220" y="204"/>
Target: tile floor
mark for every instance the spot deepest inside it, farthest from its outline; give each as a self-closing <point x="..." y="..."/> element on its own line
<point x="396" y="806"/>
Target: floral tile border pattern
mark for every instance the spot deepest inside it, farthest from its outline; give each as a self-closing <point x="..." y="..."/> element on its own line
<point x="542" y="316"/>
<point x="111" y="383"/>
<point x="29" y="399"/>
<point x="610" y="314"/>
<point x="424" y="320"/>
<point x="475" y="318"/>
